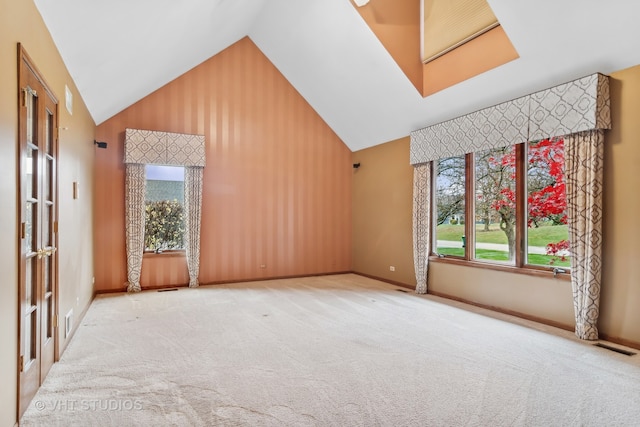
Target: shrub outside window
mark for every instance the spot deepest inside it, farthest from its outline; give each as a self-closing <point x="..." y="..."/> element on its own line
<point x="164" y="208"/>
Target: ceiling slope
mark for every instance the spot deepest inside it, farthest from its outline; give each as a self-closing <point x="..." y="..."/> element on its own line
<point x="329" y="54"/>
<point x="120" y="51"/>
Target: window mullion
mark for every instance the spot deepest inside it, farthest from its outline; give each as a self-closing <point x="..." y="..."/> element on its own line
<point x="433" y="211"/>
<point x="521" y="203"/>
<point x="470" y="208"/>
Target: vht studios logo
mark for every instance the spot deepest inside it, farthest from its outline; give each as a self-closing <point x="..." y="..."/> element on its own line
<point x="89" y="405"/>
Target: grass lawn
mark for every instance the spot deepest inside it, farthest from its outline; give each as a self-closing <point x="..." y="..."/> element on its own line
<point x="536" y="236"/>
<point x="491" y="255"/>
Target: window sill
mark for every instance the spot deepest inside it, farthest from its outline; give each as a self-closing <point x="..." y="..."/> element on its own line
<point x="529" y="271"/>
<point x="164" y="254"/>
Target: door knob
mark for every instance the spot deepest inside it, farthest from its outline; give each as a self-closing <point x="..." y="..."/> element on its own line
<point x="46" y="252"/>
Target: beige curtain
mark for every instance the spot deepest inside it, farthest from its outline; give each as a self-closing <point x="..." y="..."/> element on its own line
<point x="421" y="221"/>
<point x="135" y="185"/>
<point x="584" y="178"/>
<point x="193" y="214"/>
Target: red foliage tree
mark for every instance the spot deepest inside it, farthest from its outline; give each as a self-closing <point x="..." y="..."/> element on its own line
<point x="546" y="198"/>
<point x="548" y="201"/>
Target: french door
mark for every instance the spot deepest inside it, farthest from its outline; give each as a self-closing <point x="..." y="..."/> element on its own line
<point x="37" y="189"/>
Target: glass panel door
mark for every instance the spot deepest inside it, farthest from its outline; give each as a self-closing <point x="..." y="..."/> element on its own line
<point x="37" y="188"/>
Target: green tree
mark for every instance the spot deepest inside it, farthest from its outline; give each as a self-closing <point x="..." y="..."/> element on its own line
<point x="450" y="188"/>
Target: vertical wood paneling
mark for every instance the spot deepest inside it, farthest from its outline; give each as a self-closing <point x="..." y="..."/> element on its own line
<point x="277" y="188"/>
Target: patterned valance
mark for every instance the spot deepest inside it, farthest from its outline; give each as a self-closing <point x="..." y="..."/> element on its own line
<point x="569" y="108"/>
<point x="163" y="148"/>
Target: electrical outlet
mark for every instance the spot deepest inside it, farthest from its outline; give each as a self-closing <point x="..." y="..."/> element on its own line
<point x="392" y="268"/>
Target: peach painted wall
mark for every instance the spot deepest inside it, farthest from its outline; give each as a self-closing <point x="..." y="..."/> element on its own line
<point x="277" y="190"/>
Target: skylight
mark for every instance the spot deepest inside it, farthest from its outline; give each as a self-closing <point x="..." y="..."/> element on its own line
<point x="447" y="24"/>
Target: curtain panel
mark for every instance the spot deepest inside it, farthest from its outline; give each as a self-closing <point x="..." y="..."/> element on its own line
<point x="421" y="221"/>
<point x="135" y="188"/>
<point x="148" y="147"/>
<point x="584" y="179"/>
<point x="193" y="214"/>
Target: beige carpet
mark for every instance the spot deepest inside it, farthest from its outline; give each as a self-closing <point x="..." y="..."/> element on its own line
<point x="326" y="351"/>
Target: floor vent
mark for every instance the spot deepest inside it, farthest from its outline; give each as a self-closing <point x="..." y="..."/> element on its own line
<point x="403" y="290"/>
<point x="167" y="290"/>
<point x="617" y="350"/>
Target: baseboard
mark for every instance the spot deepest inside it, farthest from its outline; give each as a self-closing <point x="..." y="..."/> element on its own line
<point x="484" y="306"/>
<point x="68" y="339"/>
<point x="505" y="311"/>
<point x="262" y="279"/>
<point x="381" y="279"/>
<point x="146" y="288"/>
<point x="161" y="287"/>
<point x="222" y="282"/>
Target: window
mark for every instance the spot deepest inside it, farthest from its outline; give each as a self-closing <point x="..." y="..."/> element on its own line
<point x="518" y="196"/>
<point x="547" y="230"/>
<point x="450" y="206"/>
<point x="164" y="208"/>
<point x="495" y="213"/>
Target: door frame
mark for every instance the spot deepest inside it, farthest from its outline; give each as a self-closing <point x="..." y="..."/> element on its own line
<point x="24" y="59"/>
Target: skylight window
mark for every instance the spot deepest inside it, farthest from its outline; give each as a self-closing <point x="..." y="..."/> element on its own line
<point x="447" y="24"/>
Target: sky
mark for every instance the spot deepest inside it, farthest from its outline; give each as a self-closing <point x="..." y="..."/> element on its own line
<point x="165" y="173"/>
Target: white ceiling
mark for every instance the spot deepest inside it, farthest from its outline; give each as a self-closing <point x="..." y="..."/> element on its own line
<point x="119" y="51"/>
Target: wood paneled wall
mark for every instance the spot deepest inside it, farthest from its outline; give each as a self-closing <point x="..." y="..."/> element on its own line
<point x="277" y="190"/>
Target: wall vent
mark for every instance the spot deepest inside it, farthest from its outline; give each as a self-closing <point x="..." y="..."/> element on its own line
<point x="167" y="290"/>
<point x="403" y="291"/>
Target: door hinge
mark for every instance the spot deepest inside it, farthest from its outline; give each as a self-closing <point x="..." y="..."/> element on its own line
<point x="21" y="363"/>
<point x="55" y="320"/>
<point x="23" y="230"/>
<point x="55" y="226"/>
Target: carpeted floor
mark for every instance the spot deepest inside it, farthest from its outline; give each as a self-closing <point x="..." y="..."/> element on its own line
<point x="338" y="350"/>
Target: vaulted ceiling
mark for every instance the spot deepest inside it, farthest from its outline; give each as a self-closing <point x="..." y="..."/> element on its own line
<point x="119" y="51"/>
